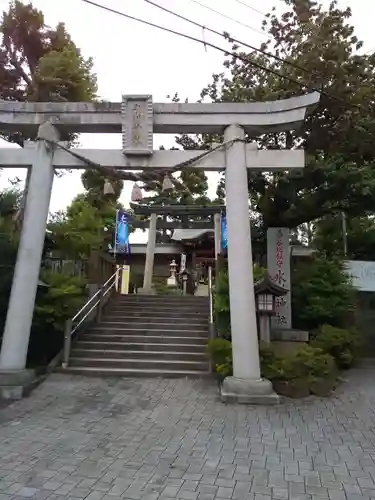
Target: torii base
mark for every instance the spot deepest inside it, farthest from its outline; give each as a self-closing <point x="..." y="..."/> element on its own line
<point x="15" y="384"/>
<point x="249" y="392"/>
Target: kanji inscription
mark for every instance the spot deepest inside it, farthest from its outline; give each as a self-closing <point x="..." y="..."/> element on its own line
<point x="278" y="263"/>
<point x="137" y="125"/>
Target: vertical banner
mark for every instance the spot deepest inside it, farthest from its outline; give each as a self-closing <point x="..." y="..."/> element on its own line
<point x="278" y="263"/>
<point x="122" y="233"/>
<point x="183" y="262"/>
<point x="125" y="278"/>
<point x="224" y="233"/>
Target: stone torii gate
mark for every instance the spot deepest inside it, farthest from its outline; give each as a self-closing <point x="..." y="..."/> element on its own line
<point x="138" y="118"/>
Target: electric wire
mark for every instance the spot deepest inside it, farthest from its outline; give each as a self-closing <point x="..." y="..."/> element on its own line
<point x="231" y="18"/>
<point x="225" y="51"/>
<point x="228" y="37"/>
<point x="252" y="8"/>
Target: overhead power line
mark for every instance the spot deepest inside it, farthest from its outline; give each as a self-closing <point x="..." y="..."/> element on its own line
<point x="231" y="18"/>
<point x="226" y="52"/>
<point x="228" y="37"/>
<point x="252" y="8"/>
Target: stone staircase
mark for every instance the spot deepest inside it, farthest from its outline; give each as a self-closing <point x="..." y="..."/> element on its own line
<point x="154" y="336"/>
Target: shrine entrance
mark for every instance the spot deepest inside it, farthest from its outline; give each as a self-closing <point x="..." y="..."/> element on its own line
<point x="200" y="239"/>
<point x="138" y="118"/>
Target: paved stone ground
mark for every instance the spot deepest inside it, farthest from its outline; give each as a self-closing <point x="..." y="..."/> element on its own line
<point x="77" y="438"/>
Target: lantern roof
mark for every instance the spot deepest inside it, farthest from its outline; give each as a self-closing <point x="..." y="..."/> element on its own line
<point x="267" y="285"/>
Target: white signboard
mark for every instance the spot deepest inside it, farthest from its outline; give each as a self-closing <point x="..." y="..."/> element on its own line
<point x="278" y="263"/>
<point x="362" y="274"/>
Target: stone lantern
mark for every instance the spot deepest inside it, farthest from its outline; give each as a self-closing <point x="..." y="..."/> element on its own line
<point x="184" y="276"/>
<point x="172" y="280"/>
<point x="266" y="291"/>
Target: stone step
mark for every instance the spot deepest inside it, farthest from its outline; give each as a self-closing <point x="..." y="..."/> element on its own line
<point x="147" y="364"/>
<point x="134" y="372"/>
<point x="149" y="330"/>
<point x="153" y="308"/>
<point x="142" y="346"/>
<point x="154" y="317"/>
<point x="81" y="351"/>
<point x="155" y="336"/>
<point x="159" y="298"/>
<point x="140" y="324"/>
<point x="145" y="339"/>
<point x="170" y="299"/>
<point x="156" y="313"/>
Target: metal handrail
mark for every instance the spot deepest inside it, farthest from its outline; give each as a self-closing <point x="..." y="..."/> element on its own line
<point x="99" y="295"/>
<point x="211" y="322"/>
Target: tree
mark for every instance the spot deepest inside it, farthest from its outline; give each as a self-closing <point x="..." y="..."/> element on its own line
<point x="321" y="293"/>
<point x="38" y="63"/>
<point x="94" y="184"/>
<point x="318" y="49"/>
<point x="78" y="231"/>
<point x="87" y="225"/>
<point x="9" y="203"/>
<point x="190" y="189"/>
<point x="360" y="235"/>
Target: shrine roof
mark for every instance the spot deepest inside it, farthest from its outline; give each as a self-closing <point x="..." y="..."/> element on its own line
<point x="267" y="285"/>
<point x="190" y="234"/>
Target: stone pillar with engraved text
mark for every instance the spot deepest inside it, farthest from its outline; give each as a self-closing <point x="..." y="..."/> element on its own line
<point x="278" y="264"/>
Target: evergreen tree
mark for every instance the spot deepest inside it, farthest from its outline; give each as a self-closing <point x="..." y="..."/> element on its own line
<point x="316" y="47"/>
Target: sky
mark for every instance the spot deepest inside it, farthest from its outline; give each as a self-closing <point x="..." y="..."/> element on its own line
<point x="130" y="58"/>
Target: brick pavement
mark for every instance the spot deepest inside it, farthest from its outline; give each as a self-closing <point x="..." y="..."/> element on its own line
<point x="77" y="438"/>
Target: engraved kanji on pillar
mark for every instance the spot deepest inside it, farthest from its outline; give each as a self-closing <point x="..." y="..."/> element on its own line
<point x="137" y="125"/>
<point x="278" y="263"/>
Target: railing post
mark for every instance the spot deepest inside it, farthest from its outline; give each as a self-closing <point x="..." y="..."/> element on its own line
<point x="211" y="323"/>
<point x="100" y="305"/>
<point x="119" y="277"/>
<point x="67" y="342"/>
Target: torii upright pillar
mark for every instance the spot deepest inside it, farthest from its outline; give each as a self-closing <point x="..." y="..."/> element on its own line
<point x="13" y="375"/>
<point x="246" y="385"/>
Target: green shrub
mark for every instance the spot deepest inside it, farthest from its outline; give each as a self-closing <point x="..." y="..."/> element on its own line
<point x="54" y="305"/>
<point x="306" y="366"/>
<point x="225" y="369"/>
<point x="61" y="300"/>
<point x="322" y="293"/>
<point x="306" y="362"/>
<point x="221" y="304"/>
<point x="344" y="345"/>
<point x="219" y="351"/>
<point x="267" y="358"/>
<point x="313" y="363"/>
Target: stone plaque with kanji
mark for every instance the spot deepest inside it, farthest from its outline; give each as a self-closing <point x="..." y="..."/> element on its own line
<point x="137" y="125"/>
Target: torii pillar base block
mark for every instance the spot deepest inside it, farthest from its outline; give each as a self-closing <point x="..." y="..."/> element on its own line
<point x="15" y="384"/>
<point x="249" y="392"/>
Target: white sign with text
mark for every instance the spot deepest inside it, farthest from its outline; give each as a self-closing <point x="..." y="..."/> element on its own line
<point x="362" y="274"/>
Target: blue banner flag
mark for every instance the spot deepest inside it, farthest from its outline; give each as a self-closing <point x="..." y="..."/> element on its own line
<point x="122" y="233"/>
<point x="224" y="234"/>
